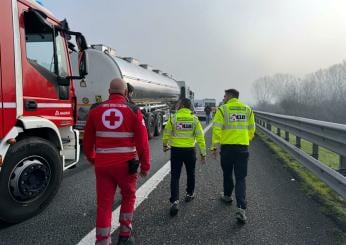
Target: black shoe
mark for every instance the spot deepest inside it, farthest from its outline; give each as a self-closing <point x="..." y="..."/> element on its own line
<point x="189" y="198"/>
<point x="240" y="215"/>
<point x="226" y="199"/>
<point x="174" y="208"/>
<point x="126" y="240"/>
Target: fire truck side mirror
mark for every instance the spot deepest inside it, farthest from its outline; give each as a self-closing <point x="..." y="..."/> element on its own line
<point x="82" y="64"/>
<point x="63" y="81"/>
<point x="81" y="42"/>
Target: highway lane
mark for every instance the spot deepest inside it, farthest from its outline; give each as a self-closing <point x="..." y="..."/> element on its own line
<point x="278" y="211"/>
<point x="71" y="215"/>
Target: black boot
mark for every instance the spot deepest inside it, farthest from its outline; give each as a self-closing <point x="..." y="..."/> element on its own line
<point x="174" y="209"/>
<point x="126" y="240"/>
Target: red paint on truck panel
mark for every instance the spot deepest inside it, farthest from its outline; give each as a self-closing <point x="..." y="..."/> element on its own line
<point x="8" y="90"/>
<point x="38" y="88"/>
<point x="35" y="86"/>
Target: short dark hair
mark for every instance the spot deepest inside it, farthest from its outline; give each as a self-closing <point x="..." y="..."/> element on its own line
<point x="232" y="92"/>
<point x="130" y="88"/>
<point x="186" y="103"/>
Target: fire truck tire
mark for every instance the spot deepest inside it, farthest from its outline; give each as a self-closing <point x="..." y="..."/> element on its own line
<point x="151" y="125"/>
<point x="29" y="179"/>
<point x="158" y="124"/>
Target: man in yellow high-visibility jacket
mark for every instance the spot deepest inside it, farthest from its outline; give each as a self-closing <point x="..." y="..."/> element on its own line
<point x="181" y="132"/>
<point x="233" y="129"/>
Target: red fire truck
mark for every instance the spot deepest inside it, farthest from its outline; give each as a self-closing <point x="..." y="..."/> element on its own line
<point x="37" y="108"/>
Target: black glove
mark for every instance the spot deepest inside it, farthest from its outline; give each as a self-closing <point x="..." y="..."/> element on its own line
<point x="133" y="166"/>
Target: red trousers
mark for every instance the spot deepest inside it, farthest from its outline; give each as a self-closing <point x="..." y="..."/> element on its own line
<point x="107" y="180"/>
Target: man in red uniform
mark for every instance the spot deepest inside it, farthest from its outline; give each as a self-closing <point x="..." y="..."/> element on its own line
<point x="115" y="135"/>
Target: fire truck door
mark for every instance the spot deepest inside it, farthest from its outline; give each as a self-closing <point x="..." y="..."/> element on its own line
<point x="43" y="96"/>
<point x="1" y="102"/>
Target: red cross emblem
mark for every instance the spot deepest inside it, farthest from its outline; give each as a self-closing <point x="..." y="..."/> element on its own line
<point x="112" y="118"/>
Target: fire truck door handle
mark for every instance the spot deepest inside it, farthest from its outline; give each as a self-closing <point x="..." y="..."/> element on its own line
<point x="30" y="105"/>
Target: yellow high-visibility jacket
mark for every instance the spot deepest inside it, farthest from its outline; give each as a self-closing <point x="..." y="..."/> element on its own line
<point x="183" y="129"/>
<point x="233" y="124"/>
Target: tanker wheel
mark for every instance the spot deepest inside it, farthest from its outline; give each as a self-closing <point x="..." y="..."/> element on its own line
<point x="29" y="179"/>
<point x="158" y="124"/>
<point x="151" y="125"/>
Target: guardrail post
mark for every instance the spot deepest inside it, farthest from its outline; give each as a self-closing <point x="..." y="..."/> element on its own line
<point x="342" y="168"/>
<point x="298" y="142"/>
<point x="278" y="131"/>
<point x="287" y="136"/>
<point x="314" y="151"/>
<point x="269" y="127"/>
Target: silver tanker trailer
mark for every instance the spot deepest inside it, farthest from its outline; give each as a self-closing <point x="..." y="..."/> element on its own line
<point x="155" y="92"/>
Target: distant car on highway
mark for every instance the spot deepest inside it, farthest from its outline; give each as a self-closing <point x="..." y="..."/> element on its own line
<point x="200" y="106"/>
<point x="200" y="113"/>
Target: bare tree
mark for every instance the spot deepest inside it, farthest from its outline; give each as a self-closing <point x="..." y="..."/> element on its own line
<point x="320" y="95"/>
<point x="263" y="91"/>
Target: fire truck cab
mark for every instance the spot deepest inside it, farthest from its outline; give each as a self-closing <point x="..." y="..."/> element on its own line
<point x="37" y="108"/>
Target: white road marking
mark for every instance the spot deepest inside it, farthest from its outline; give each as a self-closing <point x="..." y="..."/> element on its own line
<point x="141" y="194"/>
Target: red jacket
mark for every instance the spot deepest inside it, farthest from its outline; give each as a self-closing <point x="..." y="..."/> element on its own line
<point x="115" y="132"/>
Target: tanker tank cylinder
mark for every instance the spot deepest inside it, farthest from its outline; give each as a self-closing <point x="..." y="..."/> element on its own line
<point x="149" y="84"/>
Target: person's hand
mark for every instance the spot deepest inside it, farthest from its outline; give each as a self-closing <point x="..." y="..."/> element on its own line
<point x="213" y="152"/>
<point x="166" y="148"/>
<point x="143" y="173"/>
<point x="203" y="159"/>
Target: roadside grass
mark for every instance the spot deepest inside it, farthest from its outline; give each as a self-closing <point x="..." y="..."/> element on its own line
<point x="329" y="158"/>
<point x="333" y="205"/>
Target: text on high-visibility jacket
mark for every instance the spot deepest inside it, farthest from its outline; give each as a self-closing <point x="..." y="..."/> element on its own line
<point x="183" y="129"/>
<point x="233" y="124"/>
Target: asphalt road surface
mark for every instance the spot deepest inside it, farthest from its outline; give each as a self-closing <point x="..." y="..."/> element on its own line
<point x="278" y="211"/>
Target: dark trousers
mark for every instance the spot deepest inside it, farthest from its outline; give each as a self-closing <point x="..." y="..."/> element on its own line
<point x="235" y="157"/>
<point x="178" y="157"/>
<point x="207" y="118"/>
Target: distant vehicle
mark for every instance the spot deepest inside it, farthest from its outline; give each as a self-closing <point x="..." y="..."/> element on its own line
<point x="185" y="91"/>
<point x="201" y="104"/>
<point x="155" y="92"/>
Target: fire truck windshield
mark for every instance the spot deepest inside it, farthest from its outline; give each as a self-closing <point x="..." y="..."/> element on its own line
<point x="41" y="48"/>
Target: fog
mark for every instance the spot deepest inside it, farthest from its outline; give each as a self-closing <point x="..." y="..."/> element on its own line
<point x="216" y="45"/>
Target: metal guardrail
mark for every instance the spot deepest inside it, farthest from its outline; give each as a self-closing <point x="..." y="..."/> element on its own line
<point x="331" y="136"/>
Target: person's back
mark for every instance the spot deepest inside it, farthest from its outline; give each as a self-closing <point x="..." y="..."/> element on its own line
<point x="114" y="118"/>
<point x="114" y="136"/>
<point x="185" y="123"/>
<point x="233" y="128"/>
<point x="207" y="110"/>
<point x="238" y="114"/>
<point x="181" y="132"/>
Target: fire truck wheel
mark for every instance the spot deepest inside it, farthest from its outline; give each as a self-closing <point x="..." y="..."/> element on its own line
<point x="158" y="124"/>
<point x="29" y="179"/>
<point x="151" y="125"/>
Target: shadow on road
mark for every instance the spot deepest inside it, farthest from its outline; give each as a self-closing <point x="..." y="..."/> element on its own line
<point x="4" y="225"/>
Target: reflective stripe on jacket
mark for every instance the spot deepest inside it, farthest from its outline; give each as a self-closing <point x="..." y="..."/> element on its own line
<point x="183" y="129"/>
<point x="115" y="132"/>
<point x="233" y="124"/>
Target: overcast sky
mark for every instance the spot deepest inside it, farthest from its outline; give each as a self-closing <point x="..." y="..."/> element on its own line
<point x="219" y="44"/>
